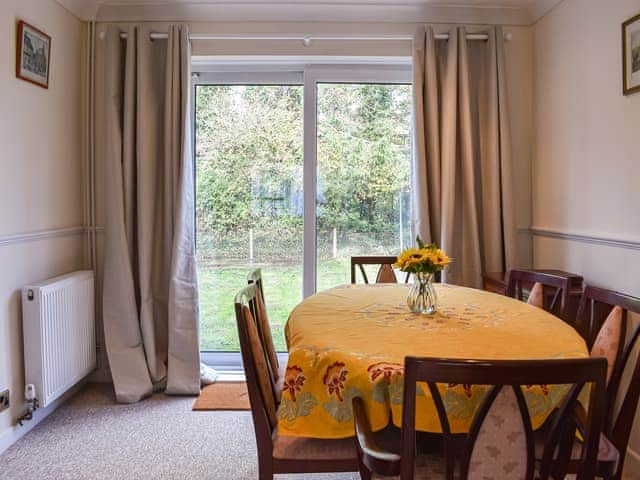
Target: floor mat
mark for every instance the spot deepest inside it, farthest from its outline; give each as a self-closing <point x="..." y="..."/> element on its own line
<point x="223" y="396"/>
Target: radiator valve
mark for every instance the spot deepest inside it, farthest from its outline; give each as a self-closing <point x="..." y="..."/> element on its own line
<point x="32" y="403"/>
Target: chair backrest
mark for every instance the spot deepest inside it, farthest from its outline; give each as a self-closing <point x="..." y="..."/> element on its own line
<point x="619" y="430"/>
<point x="595" y="306"/>
<point x="255" y="276"/>
<point x="264" y="327"/>
<point x="256" y="368"/>
<point x="500" y="441"/>
<point x="555" y="290"/>
<point x="385" y="273"/>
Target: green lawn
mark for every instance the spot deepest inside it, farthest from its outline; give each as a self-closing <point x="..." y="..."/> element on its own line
<point x="283" y="290"/>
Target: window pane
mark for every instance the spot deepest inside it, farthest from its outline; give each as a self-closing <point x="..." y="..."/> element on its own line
<point x="248" y="203"/>
<point x="364" y="168"/>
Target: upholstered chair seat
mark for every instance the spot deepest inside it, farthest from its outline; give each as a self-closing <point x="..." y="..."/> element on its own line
<point x="288" y="447"/>
<point x="280" y="382"/>
<point x="302" y="448"/>
<point x="608" y="456"/>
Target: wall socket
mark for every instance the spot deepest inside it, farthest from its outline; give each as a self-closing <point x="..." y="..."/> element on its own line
<point x="4" y="400"/>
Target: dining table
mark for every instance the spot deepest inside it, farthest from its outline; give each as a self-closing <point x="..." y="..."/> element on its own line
<point x="351" y="341"/>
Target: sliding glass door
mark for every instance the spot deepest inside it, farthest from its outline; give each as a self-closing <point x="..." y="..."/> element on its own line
<point x="363" y="153"/>
<point x="297" y="169"/>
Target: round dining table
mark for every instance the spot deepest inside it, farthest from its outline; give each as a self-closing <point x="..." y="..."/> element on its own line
<point x="352" y="340"/>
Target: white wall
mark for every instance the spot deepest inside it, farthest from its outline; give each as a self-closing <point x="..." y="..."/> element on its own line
<point x="586" y="163"/>
<point x="41" y="179"/>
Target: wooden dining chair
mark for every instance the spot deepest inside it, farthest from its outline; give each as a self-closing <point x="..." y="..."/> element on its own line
<point x="602" y="319"/>
<point x="385" y="274"/>
<point x="500" y="443"/>
<point x="614" y="439"/>
<point x="545" y="290"/>
<point x="264" y="329"/>
<point x="278" y="453"/>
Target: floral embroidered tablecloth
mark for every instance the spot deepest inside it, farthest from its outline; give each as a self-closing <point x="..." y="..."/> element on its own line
<point x="351" y="341"/>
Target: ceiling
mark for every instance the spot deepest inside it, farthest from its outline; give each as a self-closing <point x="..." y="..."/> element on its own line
<point x="516" y="12"/>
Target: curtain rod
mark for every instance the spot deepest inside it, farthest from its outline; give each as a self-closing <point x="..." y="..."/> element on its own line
<point x="308" y="39"/>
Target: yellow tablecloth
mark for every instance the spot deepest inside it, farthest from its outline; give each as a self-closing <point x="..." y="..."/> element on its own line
<point x="351" y="341"/>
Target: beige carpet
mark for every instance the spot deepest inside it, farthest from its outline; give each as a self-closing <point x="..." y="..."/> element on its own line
<point x="223" y="396"/>
<point x="93" y="438"/>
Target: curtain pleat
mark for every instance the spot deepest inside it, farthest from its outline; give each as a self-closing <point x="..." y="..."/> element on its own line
<point x="184" y="341"/>
<point x="462" y="160"/>
<point x="150" y="304"/>
<point x="427" y="174"/>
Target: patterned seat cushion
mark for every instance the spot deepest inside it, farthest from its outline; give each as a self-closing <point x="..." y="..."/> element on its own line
<point x="317" y="449"/>
<point x="607" y="452"/>
<point x="386" y="274"/>
<point x="500" y="449"/>
<point x="536" y="296"/>
<point x="301" y="448"/>
<point x="607" y="342"/>
<point x="280" y="381"/>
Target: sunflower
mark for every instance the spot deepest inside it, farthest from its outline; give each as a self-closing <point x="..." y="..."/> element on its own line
<point x="426" y="258"/>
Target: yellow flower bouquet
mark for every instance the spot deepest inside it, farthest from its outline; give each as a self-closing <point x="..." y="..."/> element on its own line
<point x="423" y="261"/>
<point x="426" y="258"/>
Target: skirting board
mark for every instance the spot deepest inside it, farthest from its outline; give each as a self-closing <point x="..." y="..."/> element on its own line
<point x="16" y="432"/>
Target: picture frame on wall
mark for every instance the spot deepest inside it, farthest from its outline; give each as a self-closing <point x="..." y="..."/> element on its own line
<point x="631" y="55"/>
<point x="33" y="54"/>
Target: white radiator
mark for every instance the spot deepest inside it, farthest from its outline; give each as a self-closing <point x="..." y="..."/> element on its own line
<point x="59" y="333"/>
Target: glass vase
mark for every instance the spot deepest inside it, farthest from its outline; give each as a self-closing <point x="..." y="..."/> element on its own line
<point x="422" y="296"/>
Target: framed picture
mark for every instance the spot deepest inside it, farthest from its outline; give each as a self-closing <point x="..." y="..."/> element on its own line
<point x="631" y="55"/>
<point x="33" y="52"/>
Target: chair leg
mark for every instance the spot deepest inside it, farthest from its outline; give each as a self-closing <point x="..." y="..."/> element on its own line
<point x="565" y="447"/>
<point x="265" y="469"/>
<point x="365" y="474"/>
<point x="616" y="475"/>
<point x="265" y="474"/>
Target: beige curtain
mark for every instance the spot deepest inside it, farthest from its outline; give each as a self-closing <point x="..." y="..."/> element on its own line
<point x="462" y="153"/>
<point x="150" y="304"/>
